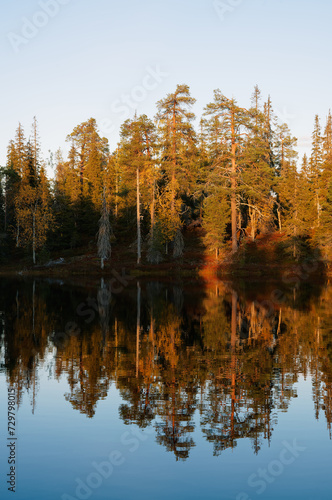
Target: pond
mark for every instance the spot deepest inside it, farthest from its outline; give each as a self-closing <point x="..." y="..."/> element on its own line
<point x="154" y="390"/>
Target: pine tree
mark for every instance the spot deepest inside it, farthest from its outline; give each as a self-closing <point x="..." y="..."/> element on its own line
<point x="230" y="119"/>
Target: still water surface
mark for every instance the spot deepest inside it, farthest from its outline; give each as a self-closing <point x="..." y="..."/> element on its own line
<point x="157" y="391"/>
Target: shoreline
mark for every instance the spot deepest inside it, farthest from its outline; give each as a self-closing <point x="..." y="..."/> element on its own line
<point x="259" y="260"/>
<point x="198" y="271"/>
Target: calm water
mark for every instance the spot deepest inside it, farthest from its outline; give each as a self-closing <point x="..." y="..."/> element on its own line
<point x="158" y="391"/>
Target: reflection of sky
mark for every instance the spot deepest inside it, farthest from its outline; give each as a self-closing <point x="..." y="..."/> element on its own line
<point x="85" y="57"/>
<point x="58" y="445"/>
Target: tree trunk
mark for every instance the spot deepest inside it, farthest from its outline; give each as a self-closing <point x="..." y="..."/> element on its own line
<point x="139" y="242"/>
<point x="233" y="189"/>
<point x="252" y="215"/>
<point x="279" y="220"/>
<point x="279" y="324"/>
<point x="34" y="237"/>
<point x="318" y="209"/>
<point x="174" y="163"/>
<point x="116" y="195"/>
<point x="82" y="157"/>
<point x="153" y="209"/>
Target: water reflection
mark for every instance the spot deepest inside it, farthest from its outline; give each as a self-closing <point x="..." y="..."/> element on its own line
<point x="221" y="353"/>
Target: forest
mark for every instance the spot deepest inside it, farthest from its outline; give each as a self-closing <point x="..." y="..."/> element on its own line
<point x="234" y="178"/>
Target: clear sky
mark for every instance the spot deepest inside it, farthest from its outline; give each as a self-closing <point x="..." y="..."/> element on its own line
<point x="68" y="60"/>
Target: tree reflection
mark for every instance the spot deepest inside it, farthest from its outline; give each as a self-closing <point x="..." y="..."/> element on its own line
<point x="216" y="361"/>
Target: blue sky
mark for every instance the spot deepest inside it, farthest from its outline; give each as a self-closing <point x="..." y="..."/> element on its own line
<point x="67" y="60"/>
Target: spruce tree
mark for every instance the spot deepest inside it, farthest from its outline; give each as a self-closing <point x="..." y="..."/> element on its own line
<point x="306" y="198"/>
<point x="19" y="152"/>
<point x="33" y="213"/>
<point x="87" y="166"/>
<point x="285" y="160"/>
<point x="178" y="153"/>
<point x="324" y="231"/>
<point x="137" y="156"/>
<point x="316" y="167"/>
<point x="35" y="144"/>
<point x="88" y="160"/>
<point x="257" y="173"/>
